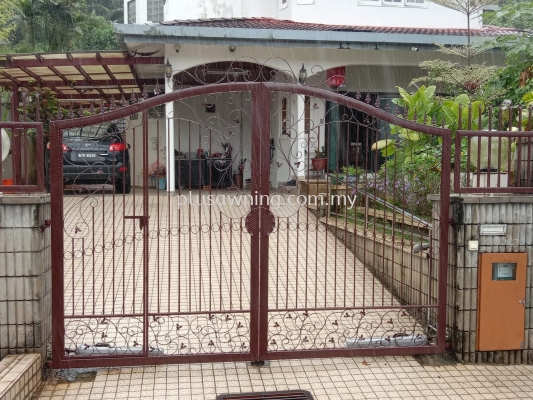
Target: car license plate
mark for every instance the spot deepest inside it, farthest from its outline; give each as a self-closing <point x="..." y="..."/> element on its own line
<point x="87" y="155"/>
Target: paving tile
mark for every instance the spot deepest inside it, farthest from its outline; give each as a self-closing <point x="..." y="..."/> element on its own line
<point x="197" y="382"/>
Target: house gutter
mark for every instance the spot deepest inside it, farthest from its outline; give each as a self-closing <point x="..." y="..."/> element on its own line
<point x="133" y="33"/>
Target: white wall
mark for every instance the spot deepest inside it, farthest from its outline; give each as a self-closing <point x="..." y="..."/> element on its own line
<point x="351" y="12"/>
<point x="134" y="127"/>
<point x="317" y="59"/>
<point x="260" y="8"/>
<point x="299" y="146"/>
<point x="334" y="12"/>
<point x="201" y="9"/>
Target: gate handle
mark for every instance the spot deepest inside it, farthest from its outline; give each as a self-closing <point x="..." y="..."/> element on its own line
<point x="143" y="220"/>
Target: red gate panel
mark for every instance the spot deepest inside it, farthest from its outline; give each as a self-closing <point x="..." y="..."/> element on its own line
<point x="225" y="266"/>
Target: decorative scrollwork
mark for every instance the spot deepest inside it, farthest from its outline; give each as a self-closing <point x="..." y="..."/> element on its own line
<point x="201" y="333"/>
<point x="312" y="330"/>
<point x="125" y="332"/>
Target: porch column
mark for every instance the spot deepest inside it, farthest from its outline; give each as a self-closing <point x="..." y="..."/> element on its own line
<point x="171" y="173"/>
<point x="300" y="142"/>
<point x="332" y="120"/>
<point x="16" y="140"/>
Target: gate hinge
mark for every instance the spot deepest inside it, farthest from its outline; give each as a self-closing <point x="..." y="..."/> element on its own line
<point x="46" y="224"/>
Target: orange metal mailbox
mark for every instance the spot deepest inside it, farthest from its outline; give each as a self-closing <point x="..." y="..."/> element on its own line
<point x="501" y="301"/>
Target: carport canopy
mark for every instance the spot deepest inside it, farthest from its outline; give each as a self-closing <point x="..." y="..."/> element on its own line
<point x="83" y="77"/>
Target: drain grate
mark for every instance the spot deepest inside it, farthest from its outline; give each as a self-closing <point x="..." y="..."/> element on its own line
<point x="285" y="395"/>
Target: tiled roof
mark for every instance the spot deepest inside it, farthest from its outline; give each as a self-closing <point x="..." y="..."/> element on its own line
<point x="271" y="23"/>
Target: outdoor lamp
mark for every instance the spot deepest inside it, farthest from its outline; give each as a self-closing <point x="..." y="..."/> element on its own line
<point x="168" y="70"/>
<point x="303" y="75"/>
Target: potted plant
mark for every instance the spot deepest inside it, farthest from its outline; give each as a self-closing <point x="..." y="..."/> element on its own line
<point x="158" y="171"/>
<point x="499" y="157"/>
<point x="320" y="161"/>
<point x="351" y="173"/>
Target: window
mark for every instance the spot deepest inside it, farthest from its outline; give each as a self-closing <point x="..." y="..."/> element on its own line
<point x="156" y="10"/>
<point x="132" y="12"/>
<point x="504" y="271"/>
<point x="283" y="4"/>
<point x="395" y="3"/>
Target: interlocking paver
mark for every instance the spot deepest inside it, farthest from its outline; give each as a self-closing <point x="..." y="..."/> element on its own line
<point x="344" y="378"/>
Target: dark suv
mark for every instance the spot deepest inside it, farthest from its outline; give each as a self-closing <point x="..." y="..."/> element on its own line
<point x="94" y="155"/>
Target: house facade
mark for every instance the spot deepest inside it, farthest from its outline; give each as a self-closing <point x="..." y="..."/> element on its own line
<point x="374" y="46"/>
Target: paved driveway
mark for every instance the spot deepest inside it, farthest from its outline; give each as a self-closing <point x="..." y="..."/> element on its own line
<point x="197" y="274"/>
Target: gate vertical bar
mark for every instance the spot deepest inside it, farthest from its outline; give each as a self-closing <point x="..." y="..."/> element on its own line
<point x="146" y="231"/>
<point x="254" y="239"/>
<point x="264" y="172"/>
<point x="258" y="307"/>
<point x="444" y="239"/>
<point x="56" y="191"/>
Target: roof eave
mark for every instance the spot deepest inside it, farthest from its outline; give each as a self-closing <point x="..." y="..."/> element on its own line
<point x="276" y="37"/>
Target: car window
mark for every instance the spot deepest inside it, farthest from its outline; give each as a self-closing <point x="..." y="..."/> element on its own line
<point x="91" y="132"/>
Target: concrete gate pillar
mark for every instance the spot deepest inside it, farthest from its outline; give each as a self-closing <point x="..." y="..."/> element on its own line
<point x="25" y="275"/>
<point x="468" y="213"/>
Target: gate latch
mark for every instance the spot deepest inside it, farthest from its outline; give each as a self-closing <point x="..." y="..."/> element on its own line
<point x="143" y="220"/>
<point x="46" y="224"/>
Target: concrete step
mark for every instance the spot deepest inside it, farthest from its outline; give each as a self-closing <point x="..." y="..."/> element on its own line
<point x="20" y="376"/>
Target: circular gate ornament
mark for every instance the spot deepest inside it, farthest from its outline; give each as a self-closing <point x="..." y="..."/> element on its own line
<point x="260" y="220"/>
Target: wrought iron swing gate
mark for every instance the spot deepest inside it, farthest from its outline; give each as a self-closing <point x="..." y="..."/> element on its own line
<point x="152" y="277"/>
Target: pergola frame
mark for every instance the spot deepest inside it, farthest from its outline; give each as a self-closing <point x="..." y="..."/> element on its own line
<point x="61" y="74"/>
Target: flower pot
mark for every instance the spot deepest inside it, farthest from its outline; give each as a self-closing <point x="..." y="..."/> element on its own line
<point x="471" y="180"/>
<point x="319" y="164"/>
<point x="237" y="180"/>
<point x="7" y="182"/>
<point x="486" y="178"/>
<point x="351" y="179"/>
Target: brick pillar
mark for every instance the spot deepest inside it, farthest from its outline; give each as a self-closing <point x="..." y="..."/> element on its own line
<point x="25" y="275"/>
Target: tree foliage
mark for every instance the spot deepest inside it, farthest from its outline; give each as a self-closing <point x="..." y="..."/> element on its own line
<point x="515" y="79"/>
<point x="6" y="14"/>
<point x="98" y="34"/>
<point x="59" y="25"/>
<point x="470" y="8"/>
<point x="455" y="79"/>
<point x="467" y="7"/>
<point x="512" y="14"/>
<point x="110" y="10"/>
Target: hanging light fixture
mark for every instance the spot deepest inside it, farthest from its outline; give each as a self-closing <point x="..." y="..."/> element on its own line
<point x="303" y="75"/>
<point x="168" y="70"/>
